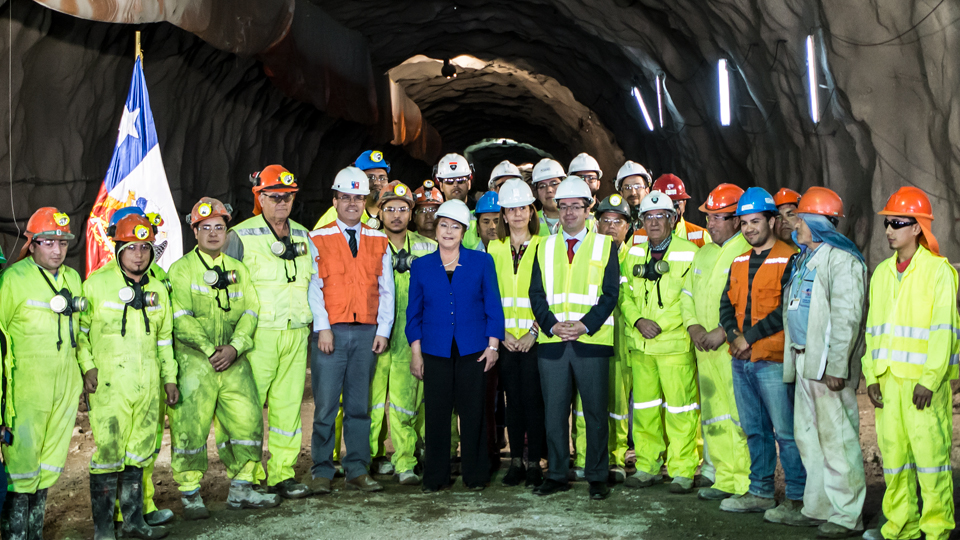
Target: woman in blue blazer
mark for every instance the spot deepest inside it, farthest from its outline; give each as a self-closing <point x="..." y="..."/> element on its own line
<point x="454" y="326"/>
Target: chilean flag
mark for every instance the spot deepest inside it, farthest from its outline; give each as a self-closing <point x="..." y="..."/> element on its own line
<point x="135" y="177"/>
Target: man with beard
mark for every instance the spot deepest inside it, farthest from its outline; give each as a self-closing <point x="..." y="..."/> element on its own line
<point x="633" y="184"/>
<point x="427" y="198"/>
<point x="454" y="174"/>
<point x="787" y="201"/>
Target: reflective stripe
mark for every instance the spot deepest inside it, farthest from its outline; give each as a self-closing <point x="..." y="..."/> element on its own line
<point x="23" y="476"/>
<point x="648" y="404"/>
<point x="623" y="279"/>
<point x="579" y="413"/>
<point x="84" y="329"/>
<point x="879" y="330"/>
<point x="949" y="327"/>
<point x="105" y="465"/>
<point x="402" y="410"/>
<point x="683" y="409"/>
<point x="695" y="235"/>
<point x="194" y="452"/>
<point x="775" y="260"/>
<point x="371" y="232"/>
<point x="934" y="470"/>
<point x="239" y="442"/>
<point x="378" y="406"/>
<point x="742" y="258"/>
<point x="138" y="458"/>
<point x="523" y="324"/>
<point x="423" y="246"/>
<point x="286" y="433"/>
<point x="697" y="271"/>
<point x="253" y="232"/>
<point x="238" y="294"/>
<point x="508" y="302"/>
<point x="954" y="359"/>
<point x="153" y="308"/>
<point x="716" y="419"/>
<point x="638" y="251"/>
<point x="549" y="251"/>
<point x="182" y="312"/>
<point x="164" y="342"/>
<point x="302" y="233"/>
<point x="250" y="312"/>
<point x="619" y="416"/>
<point x="114" y="305"/>
<point x="686" y="292"/>
<point x="681" y="256"/>
<point x="51" y="468"/>
<point x="597" y="250"/>
<point x="899" y="469"/>
<point x="914" y="358"/>
<point x="35" y="303"/>
<point x="911" y="332"/>
<point x="523" y="303"/>
<point x="199" y="288"/>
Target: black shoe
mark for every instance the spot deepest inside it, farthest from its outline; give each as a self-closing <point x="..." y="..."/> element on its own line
<point x="549" y="487"/>
<point x="434" y="489"/>
<point x="291" y="489"/>
<point x="534" y="476"/>
<point x="515" y="475"/>
<point x="599" y="490"/>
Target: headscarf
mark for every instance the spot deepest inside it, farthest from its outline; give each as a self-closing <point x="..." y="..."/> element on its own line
<point x="822" y="230"/>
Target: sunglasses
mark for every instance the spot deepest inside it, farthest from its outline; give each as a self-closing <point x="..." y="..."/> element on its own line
<point x="280" y="197"/>
<point x="896" y="224"/>
<point x="451" y="181"/>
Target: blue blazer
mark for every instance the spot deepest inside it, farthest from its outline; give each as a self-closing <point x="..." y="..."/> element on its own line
<point x="468" y="309"/>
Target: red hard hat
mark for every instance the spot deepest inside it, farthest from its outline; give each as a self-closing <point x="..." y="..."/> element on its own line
<point x="908" y="201"/>
<point x="820" y="200"/>
<point x="723" y="199"/>
<point x="671" y="186"/>
<point x="786" y="196"/>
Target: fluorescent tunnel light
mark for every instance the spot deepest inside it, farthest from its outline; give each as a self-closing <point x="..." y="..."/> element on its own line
<point x="812" y="79"/>
<point x="643" y="107"/>
<point x="724" y="92"/>
<point x="659" y="99"/>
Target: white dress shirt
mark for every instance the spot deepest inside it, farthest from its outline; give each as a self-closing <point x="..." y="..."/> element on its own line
<point x="580" y="236"/>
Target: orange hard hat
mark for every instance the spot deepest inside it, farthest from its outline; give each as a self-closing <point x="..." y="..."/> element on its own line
<point x="786" y="196"/>
<point x="820" y="200"/>
<point x="908" y="201"/>
<point x="273" y="178"/>
<point x="48" y="221"/>
<point x="134" y="228"/>
<point x="395" y="191"/>
<point x="206" y="208"/>
<point x="428" y="194"/>
<point x="722" y="200"/>
<point x="671" y="186"/>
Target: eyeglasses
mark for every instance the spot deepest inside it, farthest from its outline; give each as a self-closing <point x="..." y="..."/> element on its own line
<point x="208" y="228"/>
<point x="896" y="224"/>
<point x="279" y="197"/>
<point x="589" y="177"/>
<point x="427" y="210"/>
<point x="452" y="181"/>
<point x="351" y="198"/>
<point x="634" y="187"/>
<point x="401" y="210"/>
<point x="571" y="208"/>
<point x="547" y="185"/>
<point x="47" y="243"/>
<point x="142" y="248"/>
<point x="612" y="221"/>
<point x="377" y="179"/>
<point x="655" y="217"/>
<point x="720" y="217"/>
<point x="455" y="227"/>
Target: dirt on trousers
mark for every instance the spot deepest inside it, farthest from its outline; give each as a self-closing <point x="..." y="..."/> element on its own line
<point x="404" y="512"/>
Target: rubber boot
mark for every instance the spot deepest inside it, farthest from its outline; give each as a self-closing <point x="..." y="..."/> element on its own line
<point x="38" y="509"/>
<point x="131" y="504"/>
<point x="103" y="499"/>
<point x="16" y="513"/>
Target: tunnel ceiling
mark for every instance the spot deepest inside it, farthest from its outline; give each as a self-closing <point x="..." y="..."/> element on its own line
<point x="307" y="82"/>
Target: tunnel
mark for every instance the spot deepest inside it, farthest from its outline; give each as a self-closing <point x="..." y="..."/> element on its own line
<point x="858" y="97"/>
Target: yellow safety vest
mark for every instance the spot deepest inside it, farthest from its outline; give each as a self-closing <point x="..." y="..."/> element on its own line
<point x="573" y="289"/>
<point x="912" y="324"/>
<point x="668" y="303"/>
<point x="281" y="285"/>
<point x="514" y="287"/>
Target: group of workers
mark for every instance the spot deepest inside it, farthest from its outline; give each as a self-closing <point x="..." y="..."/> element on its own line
<point x="713" y="350"/>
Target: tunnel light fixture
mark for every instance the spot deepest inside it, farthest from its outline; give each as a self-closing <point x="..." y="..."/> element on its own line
<point x="448" y="70"/>
<point x="660" y="82"/>
<point x="812" y="80"/>
<point x="724" y="76"/>
<point x="643" y="107"/>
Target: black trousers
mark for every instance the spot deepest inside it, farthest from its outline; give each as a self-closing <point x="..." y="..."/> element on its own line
<point x="520" y="376"/>
<point x="458" y="382"/>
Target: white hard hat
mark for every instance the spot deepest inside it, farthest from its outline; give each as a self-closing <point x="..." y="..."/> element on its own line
<point x="546" y="169"/>
<point x="573" y="187"/>
<point x="515" y="193"/>
<point x="632" y="168"/>
<point x="352" y="181"/>
<point x="453" y="166"/>
<point x="656" y="200"/>
<point x="504" y="168"/>
<point x="584" y="162"/>
<point x="456" y="210"/>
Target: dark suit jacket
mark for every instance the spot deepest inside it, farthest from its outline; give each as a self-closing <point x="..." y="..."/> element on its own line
<point x="468" y="310"/>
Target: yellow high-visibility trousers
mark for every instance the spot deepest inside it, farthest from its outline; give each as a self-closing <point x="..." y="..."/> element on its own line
<point x="724" y="439"/>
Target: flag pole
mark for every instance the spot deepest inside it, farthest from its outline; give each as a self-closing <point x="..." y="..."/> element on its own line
<point x="138" y="53"/>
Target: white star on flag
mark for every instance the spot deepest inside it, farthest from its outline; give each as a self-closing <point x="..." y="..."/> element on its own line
<point x="128" y="125"/>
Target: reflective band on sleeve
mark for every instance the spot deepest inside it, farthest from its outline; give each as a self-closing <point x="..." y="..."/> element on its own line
<point x="191" y="452"/>
<point x="250" y="312"/>
<point x="716" y="419"/>
<point x="683" y="409"/>
<point x="199" y="288"/>
<point x="686" y="292"/>
<point x="164" y="342"/>
<point x="954" y="359"/>
<point x="35" y="303"/>
<point x="949" y="327"/>
<point x="648" y="404"/>
<point x="402" y="410"/>
<point x="697" y="271"/>
<point x="285" y="433"/>
<point x="182" y="312"/>
<point x="24" y="476"/>
<point x="681" y="256"/>
<point x="51" y="468"/>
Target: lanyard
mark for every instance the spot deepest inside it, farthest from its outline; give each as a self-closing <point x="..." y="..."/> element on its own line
<point x="219" y="272"/>
<point x="73" y="339"/>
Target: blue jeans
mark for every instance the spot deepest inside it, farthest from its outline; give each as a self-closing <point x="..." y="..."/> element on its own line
<point x="765" y="404"/>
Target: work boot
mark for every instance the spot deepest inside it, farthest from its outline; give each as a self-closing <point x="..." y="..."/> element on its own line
<point x="131" y="506"/>
<point x="363" y="483"/>
<point x="642" y="479"/>
<point x="38" y="508"/>
<point x="515" y="474"/>
<point x="317" y="486"/>
<point x="385" y="467"/>
<point x="158" y="517"/>
<point x="291" y="489"/>
<point x="833" y="530"/>
<point x="872" y="534"/>
<point x="534" y="475"/>
<point x="713" y="494"/>
<point x="747" y="503"/>
<point x="617" y="474"/>
<point x="704" y="482"/>
<point x="681" y="485"/>
<point x="193" y="507"/>
<point x="242" y="495"/>
<point x="103" y="501"/>
<point x="789" y="513"/>
<point x="16" y="516"/>
<point x="409" y="478"/>
<point x="577" y="474"/>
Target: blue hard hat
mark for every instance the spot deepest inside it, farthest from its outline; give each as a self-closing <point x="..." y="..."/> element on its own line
<point x="755" y="200"/>
<point x="124" y="212"/>
<point x="488" y="203"/>
<point x="371" y="159"/>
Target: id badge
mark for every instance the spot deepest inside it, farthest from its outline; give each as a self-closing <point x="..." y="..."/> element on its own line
<point x="794" y="304"/>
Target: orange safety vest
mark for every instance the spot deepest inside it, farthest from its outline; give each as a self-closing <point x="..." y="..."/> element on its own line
<point x="694" y="233"/>
<point x="764" y="296"/>
<point x="350" y="290"/>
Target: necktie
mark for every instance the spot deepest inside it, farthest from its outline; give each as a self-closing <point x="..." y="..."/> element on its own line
<point x="353" y="242"/>
<point x="570" y="243"/>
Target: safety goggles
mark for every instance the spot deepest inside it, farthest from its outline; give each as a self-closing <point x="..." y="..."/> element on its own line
<point x="277" y="198"/>
<point x="452" y="181"/>
<point x="896" y="224"/>
<point x="613" y="221"/>
<point x="634" y="187"/>
<point x="655" y="217"/>
<point x="207" y="228"/>
<point x="49" y="243"/>
<point x="589" y="177"/>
